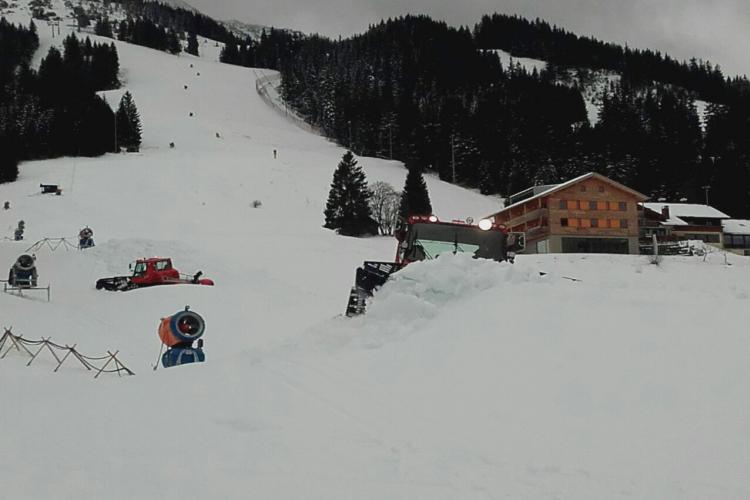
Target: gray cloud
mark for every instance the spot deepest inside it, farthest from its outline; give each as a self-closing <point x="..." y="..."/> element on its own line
<point x="715" y="30"/>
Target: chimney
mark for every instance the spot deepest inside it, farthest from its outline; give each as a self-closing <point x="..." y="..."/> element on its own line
<point x="665" y="211"/>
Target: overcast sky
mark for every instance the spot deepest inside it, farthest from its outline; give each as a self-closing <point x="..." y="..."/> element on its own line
<point x="715" y="30"/>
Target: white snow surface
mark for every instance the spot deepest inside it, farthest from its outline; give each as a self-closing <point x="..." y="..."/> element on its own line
<point x="508" y="60"/>
<point x="466" y="379"/>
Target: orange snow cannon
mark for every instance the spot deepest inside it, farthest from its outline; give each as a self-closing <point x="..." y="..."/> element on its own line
<point x="181" y="329"/>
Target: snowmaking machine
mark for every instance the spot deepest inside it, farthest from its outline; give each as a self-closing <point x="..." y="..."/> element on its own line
<point x="151" y="272"/>
<point x="23" y="275"/>
<point x="426" y="237"/>
<point x="178" y="332"/>
<point x="85" y="238"/>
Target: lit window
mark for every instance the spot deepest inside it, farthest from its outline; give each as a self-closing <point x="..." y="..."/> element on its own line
<point x="614" y="223"/>
<point x="601" y="205"/>
<point x="572" y="205"/>
<point x="585" y="222"/>
<point x="573" y="222"/>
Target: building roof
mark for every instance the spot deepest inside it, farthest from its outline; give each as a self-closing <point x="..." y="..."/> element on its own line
<point x="736" y="226"/>
<point x="690" y="210"/>
<point x="572" y="182"/>
<point x="672" y="220"/>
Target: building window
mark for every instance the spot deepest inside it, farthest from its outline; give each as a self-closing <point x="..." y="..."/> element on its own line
<point x="614" y="223"/>
<point x="601" y="205"/>
<point x="623" y="206"/>
<point x="564" y="222"/>
<point x="563" y="205"/>
<point x="624" y="223"/>
<point x="592" y="205"/>
<point x="585" y="222"/>
<point x="594" y="222"/>
<point x="572" y="205"/>
<point x="574" y="222"/>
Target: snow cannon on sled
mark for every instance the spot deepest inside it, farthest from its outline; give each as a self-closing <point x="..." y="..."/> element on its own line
<point x="151" y="272"/>
<point x="425" y="238"/>
<point x="178" y="332"/>
<point x="23" y="276"/>
<point x="85" y="238"/>
<point x="23" y="273"/>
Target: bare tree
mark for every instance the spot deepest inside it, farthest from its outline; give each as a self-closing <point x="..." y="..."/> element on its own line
<point x="384" y="204"/>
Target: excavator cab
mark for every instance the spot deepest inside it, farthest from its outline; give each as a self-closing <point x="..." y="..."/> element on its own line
<point x="425" y="238"/>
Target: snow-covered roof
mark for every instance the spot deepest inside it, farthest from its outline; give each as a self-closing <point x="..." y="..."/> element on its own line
<point x="689" y="210"/>
<point x="572" y="182"/>
<point x="736" y="226"/>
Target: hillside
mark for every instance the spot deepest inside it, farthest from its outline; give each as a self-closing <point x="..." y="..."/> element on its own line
<point x="467" y="379"/>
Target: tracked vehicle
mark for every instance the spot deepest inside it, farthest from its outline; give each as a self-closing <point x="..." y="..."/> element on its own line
<point x="426" y="237"/>
<point x="151" y="272"/>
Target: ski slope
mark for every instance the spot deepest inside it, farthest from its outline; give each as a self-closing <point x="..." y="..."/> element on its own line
<point x="467" y="379"/>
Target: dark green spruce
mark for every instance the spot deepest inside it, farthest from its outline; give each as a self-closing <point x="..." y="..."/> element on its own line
<point x="348" y="209"/>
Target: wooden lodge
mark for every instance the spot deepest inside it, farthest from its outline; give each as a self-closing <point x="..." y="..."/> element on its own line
<point x="588" y="214"/>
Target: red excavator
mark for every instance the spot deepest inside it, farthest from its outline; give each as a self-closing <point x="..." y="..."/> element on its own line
<point x="151" y="272"/>
<point x="426" y="237"/>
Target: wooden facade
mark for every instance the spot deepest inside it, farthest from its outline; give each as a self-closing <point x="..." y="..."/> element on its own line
<point x="588" y="214"/>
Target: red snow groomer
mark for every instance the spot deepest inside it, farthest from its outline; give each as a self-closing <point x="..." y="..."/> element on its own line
<point x="426" y="237"/>
<point x="151" y="272"/>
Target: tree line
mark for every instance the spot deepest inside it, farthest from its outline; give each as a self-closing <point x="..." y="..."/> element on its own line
<point x="162" y="27"/>
<point x="54" y="111"/>
<point x="438" y="98"/>
<point x="539" y="40"/>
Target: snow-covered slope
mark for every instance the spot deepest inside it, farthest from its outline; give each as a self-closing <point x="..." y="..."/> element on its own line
<point x="245" y="29"/>
<point x="467" y="379"/>
<point x="177" y="4"/>
<point x="530" y="65"/>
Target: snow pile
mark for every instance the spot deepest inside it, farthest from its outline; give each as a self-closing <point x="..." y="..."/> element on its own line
<point x="423" y="289"/>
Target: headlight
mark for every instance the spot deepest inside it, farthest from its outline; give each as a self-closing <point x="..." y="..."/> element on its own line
<point x="433" y="218"/>
<point x="485" y="224"/>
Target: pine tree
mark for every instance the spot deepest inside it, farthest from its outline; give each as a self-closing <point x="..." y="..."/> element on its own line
<point x="173" y="43"/>
<point x="415" y="200"/>
<point x="104" y="28"/>
<point x="8" y="161"/>
<point x="128" y="124"/>
<point x="192" y="45"/>
<point x="348" y="209"/>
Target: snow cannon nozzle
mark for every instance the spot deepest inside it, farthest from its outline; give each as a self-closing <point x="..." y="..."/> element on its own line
<point x="181" y="329"/>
